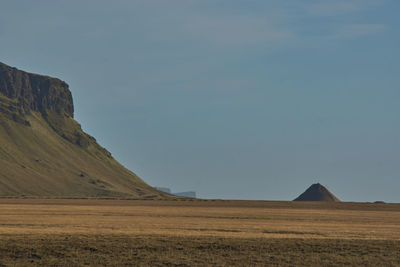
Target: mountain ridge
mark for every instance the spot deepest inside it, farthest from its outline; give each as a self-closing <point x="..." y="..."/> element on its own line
<point x="45" y="152"/>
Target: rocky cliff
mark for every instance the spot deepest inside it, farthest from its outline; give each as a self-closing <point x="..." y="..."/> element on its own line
<point x="43" y="150"/>
<point x="25" y="92"/>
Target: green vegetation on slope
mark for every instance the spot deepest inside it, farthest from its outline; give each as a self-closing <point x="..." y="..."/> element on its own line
<point x="43" y="150"/>
<point x="36" y="161"/>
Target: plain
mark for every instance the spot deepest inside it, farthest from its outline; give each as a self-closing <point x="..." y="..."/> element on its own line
<point x="106" y="232"/>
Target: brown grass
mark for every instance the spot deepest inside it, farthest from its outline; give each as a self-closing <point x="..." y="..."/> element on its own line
<point x="197" y="233"/>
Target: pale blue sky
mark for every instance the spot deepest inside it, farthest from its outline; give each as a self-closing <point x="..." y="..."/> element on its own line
<point x="249" y="99"/>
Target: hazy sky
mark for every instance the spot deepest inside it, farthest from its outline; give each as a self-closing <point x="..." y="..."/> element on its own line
<point x="251" y="99"/>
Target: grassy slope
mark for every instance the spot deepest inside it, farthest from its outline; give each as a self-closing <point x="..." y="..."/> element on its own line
<point x="36" y="161"/>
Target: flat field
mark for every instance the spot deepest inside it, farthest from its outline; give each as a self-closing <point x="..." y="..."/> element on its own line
<point x="100" y="232"/>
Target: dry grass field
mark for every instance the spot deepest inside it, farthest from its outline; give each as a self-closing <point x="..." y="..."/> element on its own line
<point x="90" y="232"/>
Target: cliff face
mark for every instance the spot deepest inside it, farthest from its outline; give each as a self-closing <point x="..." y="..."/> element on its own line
<point x="22" y="93"/>
<point x="44" y="151"/>
<point x="32" y="92"/>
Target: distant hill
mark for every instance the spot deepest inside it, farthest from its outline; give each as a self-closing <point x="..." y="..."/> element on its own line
<point x="317" y="192"/>
<point x="45" y="153"/>
<point x="191" y="194"/>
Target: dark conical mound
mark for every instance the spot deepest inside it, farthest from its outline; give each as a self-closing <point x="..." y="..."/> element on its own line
<point x="317" y="192"/>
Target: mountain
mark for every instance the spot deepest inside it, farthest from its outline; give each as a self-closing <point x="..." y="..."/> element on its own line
<point x="317" y="192"/>
<point x="191" y="194"/>
<point x="45" y="153"/>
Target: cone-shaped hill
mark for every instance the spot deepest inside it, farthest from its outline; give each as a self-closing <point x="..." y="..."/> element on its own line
<point x="317" y="192"/>
<point x="45" y="153"/>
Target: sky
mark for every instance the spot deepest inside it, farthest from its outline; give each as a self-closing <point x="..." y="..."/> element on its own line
<point x="233" y="99"/>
